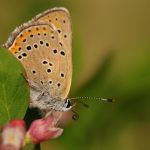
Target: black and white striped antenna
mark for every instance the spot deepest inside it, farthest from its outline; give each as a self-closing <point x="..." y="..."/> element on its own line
<point x="94" y="98"/>
<point x="76" y="115"/>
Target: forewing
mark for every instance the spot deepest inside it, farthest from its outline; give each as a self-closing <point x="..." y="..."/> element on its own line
<point x="43" y="45"/>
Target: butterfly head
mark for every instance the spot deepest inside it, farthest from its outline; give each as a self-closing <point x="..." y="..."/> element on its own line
<point x="68" y="104"/>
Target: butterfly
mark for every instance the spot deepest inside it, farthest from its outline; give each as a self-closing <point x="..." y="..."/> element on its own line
<point x="44" y="47"/>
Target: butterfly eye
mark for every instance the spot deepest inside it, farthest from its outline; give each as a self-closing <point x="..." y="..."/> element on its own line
<point x="68" y="103"/>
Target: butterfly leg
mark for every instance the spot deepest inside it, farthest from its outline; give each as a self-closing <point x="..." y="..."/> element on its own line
<point x="49" y="113"/>
<point x="57" y="117"/>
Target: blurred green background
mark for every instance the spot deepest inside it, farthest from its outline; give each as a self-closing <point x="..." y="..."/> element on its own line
<point x="111" y="58"/>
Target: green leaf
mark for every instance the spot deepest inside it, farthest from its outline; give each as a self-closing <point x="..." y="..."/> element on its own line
<point x="14" y="93"/>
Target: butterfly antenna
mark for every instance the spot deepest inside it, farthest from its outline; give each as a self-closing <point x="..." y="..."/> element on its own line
<point x="94" y="98"/>
<point x="84" y="104"/>
<point x="75" y="115"/>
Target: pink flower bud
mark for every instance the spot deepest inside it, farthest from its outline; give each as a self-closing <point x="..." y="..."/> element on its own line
<point x="12" y="136"/>
<point x="42" y="130"/>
